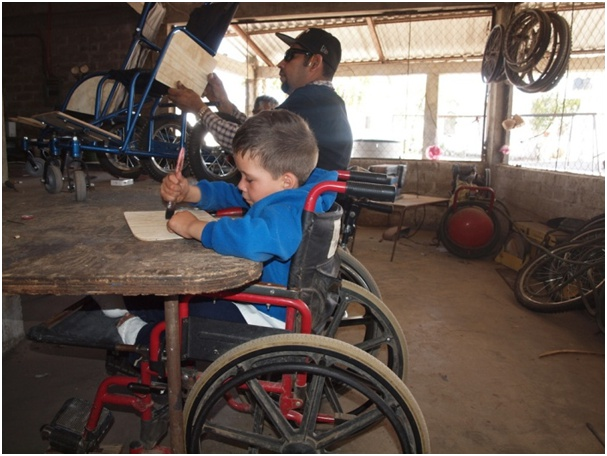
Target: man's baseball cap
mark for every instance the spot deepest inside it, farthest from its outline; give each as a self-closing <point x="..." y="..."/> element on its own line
<point x="317" y="41"/>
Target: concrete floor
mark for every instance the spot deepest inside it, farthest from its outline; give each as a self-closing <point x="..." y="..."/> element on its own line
<point x="476" y="367"/>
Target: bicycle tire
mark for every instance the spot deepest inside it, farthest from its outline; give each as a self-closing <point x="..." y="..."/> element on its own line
<point x="554" y="281"/>
<point x="598" y="221"/>
<point x="492" y="68"/>
<point x="526" y="40"/>
<point x="592" y="235"/>
<point x="550" y="67"/>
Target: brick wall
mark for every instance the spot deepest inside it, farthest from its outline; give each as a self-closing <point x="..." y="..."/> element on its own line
<point x="41" y="44"/>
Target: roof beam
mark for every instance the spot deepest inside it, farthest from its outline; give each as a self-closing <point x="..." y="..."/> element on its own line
<point x="251" y="44"/>
<point x="375" y="38"/>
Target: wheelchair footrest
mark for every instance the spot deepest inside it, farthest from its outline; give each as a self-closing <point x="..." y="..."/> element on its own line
<point x="66" y="433"/>
<point x="82" y="324"/>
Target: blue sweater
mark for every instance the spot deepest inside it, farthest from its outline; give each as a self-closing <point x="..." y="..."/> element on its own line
<point x="270" y="231"/>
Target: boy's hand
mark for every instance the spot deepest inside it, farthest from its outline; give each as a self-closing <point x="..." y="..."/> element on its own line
<point x="174" y="187"/>
<point x="186" y="225"/>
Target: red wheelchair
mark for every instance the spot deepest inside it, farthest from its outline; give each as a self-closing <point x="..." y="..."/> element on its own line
<point x="332" y="381"/>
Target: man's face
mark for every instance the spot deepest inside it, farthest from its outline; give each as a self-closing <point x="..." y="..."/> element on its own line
<point x="294" y="69"/>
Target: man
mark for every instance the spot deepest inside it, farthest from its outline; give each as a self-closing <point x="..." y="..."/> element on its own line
<point x="264" y="103"/>
<point x="306" y="72"/>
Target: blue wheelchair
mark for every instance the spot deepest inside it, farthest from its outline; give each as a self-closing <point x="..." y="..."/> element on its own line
<point x="122" y="115"/>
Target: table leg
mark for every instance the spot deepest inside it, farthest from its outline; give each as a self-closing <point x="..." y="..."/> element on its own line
<point x="397" y="236"/>
<point x="173" y="347"/>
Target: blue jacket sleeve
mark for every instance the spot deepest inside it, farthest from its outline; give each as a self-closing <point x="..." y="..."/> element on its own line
<point x="274" y="233"/>
<point x="219" y="195"/>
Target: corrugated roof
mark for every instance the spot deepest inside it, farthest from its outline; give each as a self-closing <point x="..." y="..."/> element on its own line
<point x="370" y="39"/>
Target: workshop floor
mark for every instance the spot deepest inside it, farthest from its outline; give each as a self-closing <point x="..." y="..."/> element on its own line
<point x="489" y="375"/>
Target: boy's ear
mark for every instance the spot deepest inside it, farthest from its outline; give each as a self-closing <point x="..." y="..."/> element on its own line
<point x="289" y="181"/>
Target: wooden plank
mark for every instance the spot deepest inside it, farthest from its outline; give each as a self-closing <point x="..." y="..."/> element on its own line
<point x="27" y="121"/>
<point x="152" y="225"/>
<point x="71" y="124"/>
<point x="185" y="61"/>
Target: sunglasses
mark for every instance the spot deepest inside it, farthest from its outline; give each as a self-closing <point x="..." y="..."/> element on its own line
<point x="292" y="51"/>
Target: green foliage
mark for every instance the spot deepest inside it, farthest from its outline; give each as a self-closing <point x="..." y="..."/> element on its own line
<point x="547" y="109"/>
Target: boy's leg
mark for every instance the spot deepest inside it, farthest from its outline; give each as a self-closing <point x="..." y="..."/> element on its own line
<point x="112" y="306"/>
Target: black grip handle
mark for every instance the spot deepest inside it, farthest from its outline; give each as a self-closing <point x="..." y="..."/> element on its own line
<point x="374" y="192"/>
<point x="372" y="178"/>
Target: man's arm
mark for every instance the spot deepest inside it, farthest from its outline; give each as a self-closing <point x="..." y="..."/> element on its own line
<point x="222" y="130"/>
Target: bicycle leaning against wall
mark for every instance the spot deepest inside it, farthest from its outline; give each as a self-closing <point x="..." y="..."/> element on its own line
<point x="569" y="276"/>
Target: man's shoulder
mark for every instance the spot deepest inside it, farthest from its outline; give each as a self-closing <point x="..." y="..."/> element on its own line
<point x="324" y="89"/>
<point x="312" y="95"/>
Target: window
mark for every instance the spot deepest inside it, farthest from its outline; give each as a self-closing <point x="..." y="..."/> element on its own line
<point x="563" y="127"/>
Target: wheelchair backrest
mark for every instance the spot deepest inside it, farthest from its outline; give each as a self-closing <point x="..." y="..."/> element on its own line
<point x="315" y="266"/>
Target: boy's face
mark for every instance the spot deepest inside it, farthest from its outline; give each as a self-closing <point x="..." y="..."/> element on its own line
<point x="256" y="183"/>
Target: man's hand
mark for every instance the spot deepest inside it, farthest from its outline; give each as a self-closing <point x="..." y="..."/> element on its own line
<point x="185" y="99"/>
<point x="216" y="93"/>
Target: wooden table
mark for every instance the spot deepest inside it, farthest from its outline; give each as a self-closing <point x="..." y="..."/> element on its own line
<point x="54" y="245"/>
<point x="407" y="201"/>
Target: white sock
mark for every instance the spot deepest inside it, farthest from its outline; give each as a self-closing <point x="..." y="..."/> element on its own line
<point x="129" y="329"/>
<point x="114" y="313"/>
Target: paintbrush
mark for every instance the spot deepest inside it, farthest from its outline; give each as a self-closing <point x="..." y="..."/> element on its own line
<point x="170" y="211"/>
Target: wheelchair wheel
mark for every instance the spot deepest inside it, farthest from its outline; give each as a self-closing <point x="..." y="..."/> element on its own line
<point x="353" y="270"/>
<point x="121" y="165"/>
<point x="53" y="179"/>
<point x="208" y="162"/>
<point x="276" y="394"/>
<point x="80" y="185"/>
<point x="166" y="131"/>
<point x="34" y="166"/>
<point x="363" y="320"/>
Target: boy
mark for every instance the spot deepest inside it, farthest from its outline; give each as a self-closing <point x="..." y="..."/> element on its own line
<point x="276" y="154"/>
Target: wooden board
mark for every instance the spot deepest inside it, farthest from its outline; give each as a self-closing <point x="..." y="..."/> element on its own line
<point x="152" y="225"/>
<point x="74" y="125"/>
<point x="27" y="121"/>
<point x="187" y="62"/>
<point x="84" y="96"/>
